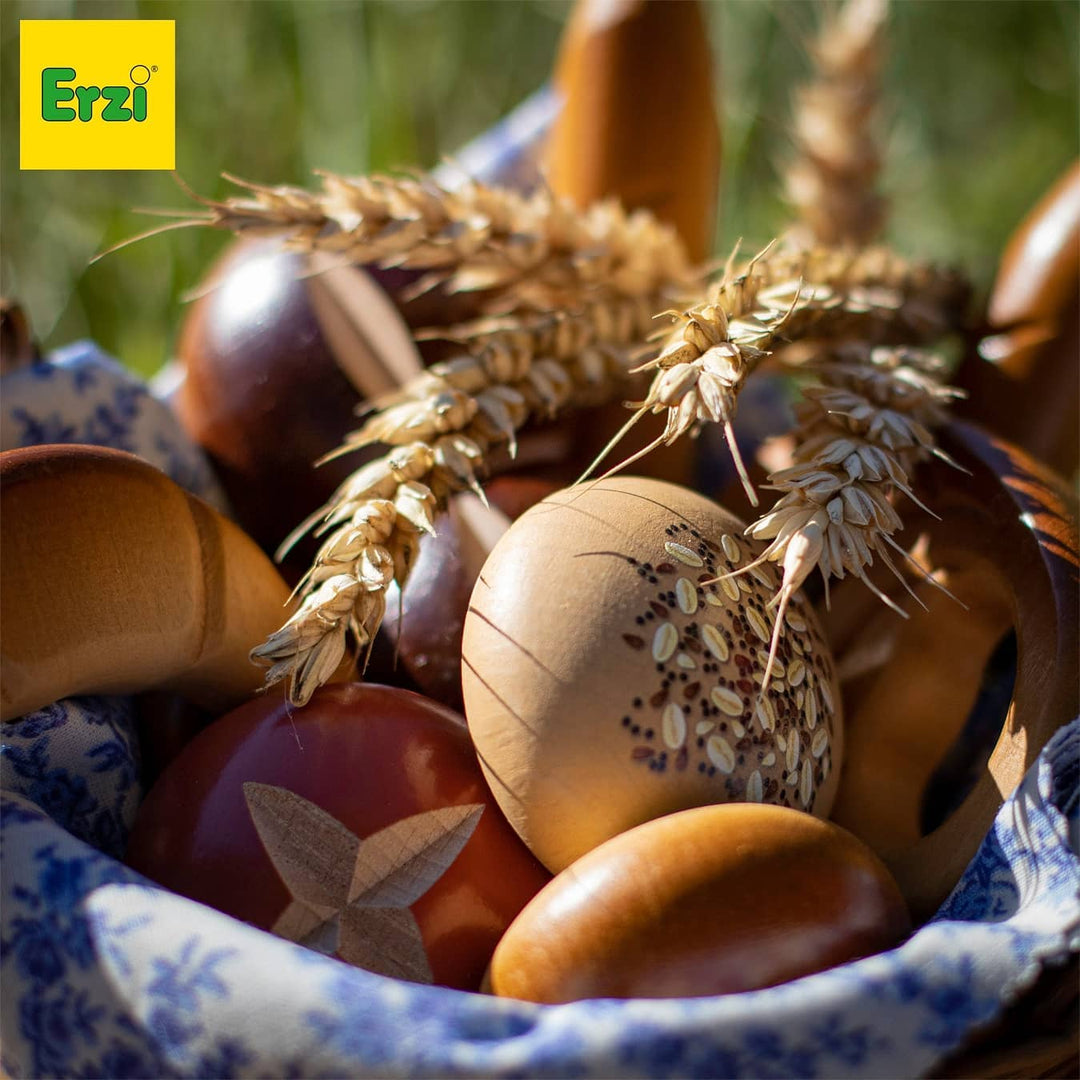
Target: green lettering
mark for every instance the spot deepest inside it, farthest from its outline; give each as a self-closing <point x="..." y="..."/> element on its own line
<point x="87" y="95"/>
<point x="138" y="102"/>
<point x="52" y="94"/>
<point x="115" y="110"/>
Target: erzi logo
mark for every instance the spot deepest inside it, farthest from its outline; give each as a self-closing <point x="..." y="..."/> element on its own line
<point x="97" y="94"/>
<point x="115" y="98"/>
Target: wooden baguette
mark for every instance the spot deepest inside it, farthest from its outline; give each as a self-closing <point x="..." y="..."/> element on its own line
<point x="116" y="581"/>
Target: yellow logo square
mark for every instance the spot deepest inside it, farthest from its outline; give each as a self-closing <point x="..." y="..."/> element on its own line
<point x="97" y="94"/>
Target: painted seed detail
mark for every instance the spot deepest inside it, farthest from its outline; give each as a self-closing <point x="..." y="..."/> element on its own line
<point x="793" y="747"/>
<point x="765" y="714"/>
<point x="826" y="695"/>
<point x="754" y="787"/>
<point x="715" y="642"/>
<point x="761" y="577"/>
<point x="721" y="720"/>
<point x="721" y="754"/>
<point x="664" y="643"/>
<point x="727" y="701"/>
<point x="683" y="554"/>
<point x="686" y="594"/>
<point x="674" y="726"/>
<point x="757" y="624"/>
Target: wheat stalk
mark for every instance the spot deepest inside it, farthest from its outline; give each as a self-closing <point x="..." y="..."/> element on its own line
<point x="443" y="427"/>
<point x="860" y="436"/>
<point x="831" y="182"/>
<point x="474" y="238"/>
<point x="536" y="362"/>
<point x="787" y="294"/>
<point x="566" y="303"/>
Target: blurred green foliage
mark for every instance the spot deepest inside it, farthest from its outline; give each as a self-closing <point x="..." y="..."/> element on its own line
<point x="981" y="115"/>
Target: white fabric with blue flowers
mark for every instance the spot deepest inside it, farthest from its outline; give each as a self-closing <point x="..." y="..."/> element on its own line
<point x="105" y="975"/>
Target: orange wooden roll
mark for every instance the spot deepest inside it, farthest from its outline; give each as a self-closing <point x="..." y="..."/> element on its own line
<point x="639" y="122"/>
<point x="714" y="900"/>
<point x="116" y="580"/>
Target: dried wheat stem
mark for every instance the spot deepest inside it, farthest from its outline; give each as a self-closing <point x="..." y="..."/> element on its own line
<point x="832" y="181"/>
<point x="860" y="436"/>
<point x="787" y="294"/>
<point x="472" y="238"/>
<point x="442" y="426"/>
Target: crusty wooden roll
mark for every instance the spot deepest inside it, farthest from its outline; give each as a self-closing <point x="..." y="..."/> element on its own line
<point x="116" y="580"/>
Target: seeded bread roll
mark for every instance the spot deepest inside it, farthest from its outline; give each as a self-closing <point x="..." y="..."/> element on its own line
<point x="714" y="900"/>
<point x="607" y="681"/>
<point x="116" y="580"/>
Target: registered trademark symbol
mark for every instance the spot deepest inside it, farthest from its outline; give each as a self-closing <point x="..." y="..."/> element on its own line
<point x="154" y="68"/>
<point x="139" y="74"/>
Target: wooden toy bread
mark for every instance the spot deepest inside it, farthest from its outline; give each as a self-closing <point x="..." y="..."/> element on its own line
<point x="608" y="679"/>
<point x="116" y="580"/>
<point x="1008" y="538"/>
<point x="713" y="900"/>
<point x="367" y="805"/>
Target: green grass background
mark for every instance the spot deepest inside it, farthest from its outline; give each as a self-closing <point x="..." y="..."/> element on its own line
<point x="982" y="115"/>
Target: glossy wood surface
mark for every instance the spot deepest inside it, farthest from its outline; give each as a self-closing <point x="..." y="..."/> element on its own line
<point x="367" y="755"/>
<point x="1009" y="531"/>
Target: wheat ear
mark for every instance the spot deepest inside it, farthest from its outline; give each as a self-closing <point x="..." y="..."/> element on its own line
<point x="861" y="434"/>
<point x="443" y="427"/>
<point x="786" y="294"/>
<point x="473" y="238"/>
<point x="831" y="182"/>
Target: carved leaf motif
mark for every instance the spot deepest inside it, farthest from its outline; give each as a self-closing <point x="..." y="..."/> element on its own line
<point x="384" y="940"/>
<point x="351" y="897"/>
<point x="398" y="864"/>
<point x="311" y="850"/>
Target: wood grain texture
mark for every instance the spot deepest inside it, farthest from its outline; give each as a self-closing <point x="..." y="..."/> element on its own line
<point x="116" y="581"/>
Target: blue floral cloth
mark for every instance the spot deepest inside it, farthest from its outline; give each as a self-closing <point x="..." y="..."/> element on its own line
<point x="106" y="975"/>
<point x="80" y="394"/>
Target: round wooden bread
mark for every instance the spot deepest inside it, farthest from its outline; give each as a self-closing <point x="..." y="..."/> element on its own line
<point x="608" y="679"/>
